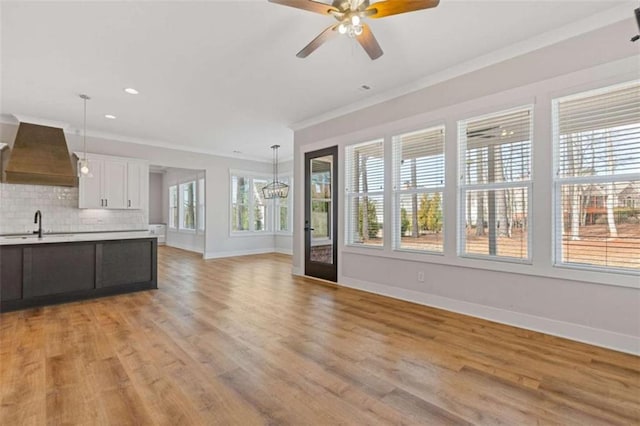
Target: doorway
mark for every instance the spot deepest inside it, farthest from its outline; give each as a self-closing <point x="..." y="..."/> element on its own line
<point x="321" y="214"/>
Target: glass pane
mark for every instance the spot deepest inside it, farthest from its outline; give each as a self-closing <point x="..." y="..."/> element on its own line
<point x="173" y="206"/>
<point x="496" y="222"/>
<point x="284" y="219"/>
<point x="321" y="210"/>
<point x="421" y="222"/>
<point x="240" y="217"/>
<point x="321" y="219"/>
<point x="259" y="205"/>
<point x="188" y="191"/>
<point x="600" y="224"/>
<point x="367" y="220"/>
<point x="240" y="190"/>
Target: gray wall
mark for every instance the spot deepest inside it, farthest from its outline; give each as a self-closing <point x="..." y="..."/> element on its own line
<point x="600" y="308"/>
<point x="155" y="198"/>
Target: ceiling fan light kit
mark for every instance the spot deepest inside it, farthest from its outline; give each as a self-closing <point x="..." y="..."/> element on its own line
<point x="350" y="15"/>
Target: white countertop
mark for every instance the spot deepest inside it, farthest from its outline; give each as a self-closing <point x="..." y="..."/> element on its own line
<point x="69" y="238"/>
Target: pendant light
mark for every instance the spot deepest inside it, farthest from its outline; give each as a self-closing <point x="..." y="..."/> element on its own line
<point x="83" y="164"/>
<point x="275" y="189"/>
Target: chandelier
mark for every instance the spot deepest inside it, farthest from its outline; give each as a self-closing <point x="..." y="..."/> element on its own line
<point x="275" y="189"/>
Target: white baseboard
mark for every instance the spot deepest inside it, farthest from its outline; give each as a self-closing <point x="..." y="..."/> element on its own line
<point x="283" y="251"/>
<point x="594" y="336"/>
<point x="183" y="247"/>
<point x="221" y="254"/>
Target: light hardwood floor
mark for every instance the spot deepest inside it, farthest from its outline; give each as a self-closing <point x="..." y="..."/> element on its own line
<point x="240" y="341"/>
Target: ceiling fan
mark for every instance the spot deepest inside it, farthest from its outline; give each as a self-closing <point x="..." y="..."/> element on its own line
<point x="350" y="14"/>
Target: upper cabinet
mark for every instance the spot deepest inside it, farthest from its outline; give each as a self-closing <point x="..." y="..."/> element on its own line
<point x="113" y="183"/>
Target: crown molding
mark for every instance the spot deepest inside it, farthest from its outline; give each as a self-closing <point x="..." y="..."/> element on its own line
<point x="15" y="119"/>
<point x="585" y="25"/>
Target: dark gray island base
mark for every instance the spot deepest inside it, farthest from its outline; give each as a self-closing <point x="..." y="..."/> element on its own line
<point x="43" y="274"/>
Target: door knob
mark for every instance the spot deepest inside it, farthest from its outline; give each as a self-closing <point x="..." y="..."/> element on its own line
<point x="307" y="228"/>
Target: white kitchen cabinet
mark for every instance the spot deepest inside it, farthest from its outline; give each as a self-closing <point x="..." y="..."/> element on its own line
<point x="113" y="183"/>
<point x="137" y="181"/>
<point x="90" y="192"/>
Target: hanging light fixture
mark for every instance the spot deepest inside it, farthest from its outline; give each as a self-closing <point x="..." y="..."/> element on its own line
<point x="275" y="189"/>
<point x="83" y="164"/>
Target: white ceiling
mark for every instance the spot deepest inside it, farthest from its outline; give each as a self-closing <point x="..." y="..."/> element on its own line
<point x="220" y="76"/>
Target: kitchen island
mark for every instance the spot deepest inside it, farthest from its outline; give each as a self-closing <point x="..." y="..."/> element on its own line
<point x="66" y="267"/>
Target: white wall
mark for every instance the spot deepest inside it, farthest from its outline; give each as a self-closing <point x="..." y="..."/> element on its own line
<point x="155" y="198"/>
<point x="599" y="308"/>
<point x="218" y="241"/>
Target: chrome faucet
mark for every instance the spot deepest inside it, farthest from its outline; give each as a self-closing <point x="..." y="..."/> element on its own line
<point x="38" y="219"/>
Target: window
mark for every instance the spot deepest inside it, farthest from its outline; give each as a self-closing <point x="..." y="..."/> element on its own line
<point x="240" y="191"/>
<point x="418" y="160"/>
<point x="365" y="193"/>
<point x="173" y="206"/>
<point x="597" y="183"/>
<point x="495" y="185"/>
<point x="200" y="215"/>
<point x="188" y="205"/>
<point x="260" y="215"/>
<point x="251" y="212"/>
<point x="282" y="208"/>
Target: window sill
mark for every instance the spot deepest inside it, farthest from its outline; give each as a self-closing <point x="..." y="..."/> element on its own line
<point x="245" y="234"/>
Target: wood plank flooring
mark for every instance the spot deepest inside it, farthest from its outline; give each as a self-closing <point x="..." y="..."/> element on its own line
<point x="240" y="341"/>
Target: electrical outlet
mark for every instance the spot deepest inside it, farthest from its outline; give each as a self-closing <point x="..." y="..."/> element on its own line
<point x="420" y="276"/>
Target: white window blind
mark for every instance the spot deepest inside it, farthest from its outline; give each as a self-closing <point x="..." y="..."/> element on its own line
<point x="364" y="171"/>
<point x="597" y="184"/>
<point x="418" y="185"/>
<point x="495" y="185"/>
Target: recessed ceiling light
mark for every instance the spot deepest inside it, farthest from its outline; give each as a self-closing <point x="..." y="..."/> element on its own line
<point x="235" y="151"/>
<point x="131" y="91"/>
<point x="110" y="116"/>
<point x="365" y="87"/>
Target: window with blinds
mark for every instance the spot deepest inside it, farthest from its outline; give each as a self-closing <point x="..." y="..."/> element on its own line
<point x="495" y="185"/>
<point x="364" y="177"/>
<point x="597" y="184"/>
<point x="418" y="185"/>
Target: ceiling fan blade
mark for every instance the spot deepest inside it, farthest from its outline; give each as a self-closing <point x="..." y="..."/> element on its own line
<point x="369" y="43"/>
<point x="324" y="36"/>
<point x="395" y="7"/>
<point x="310" y="5"/>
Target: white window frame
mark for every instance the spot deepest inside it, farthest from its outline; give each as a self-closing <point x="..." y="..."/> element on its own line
<point x="398" y="193"/>
<point x="559" y="181"/>
<point x="350" y="195"/>
<point x="463" y="188"/>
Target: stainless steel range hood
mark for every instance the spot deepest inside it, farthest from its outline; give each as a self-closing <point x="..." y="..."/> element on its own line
<point x="40" y="157"/>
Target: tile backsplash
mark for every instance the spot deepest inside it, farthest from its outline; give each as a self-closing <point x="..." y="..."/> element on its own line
<point x="60" y="212"/>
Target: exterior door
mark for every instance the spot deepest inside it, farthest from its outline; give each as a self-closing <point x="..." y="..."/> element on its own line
<point x="321" y="214"/>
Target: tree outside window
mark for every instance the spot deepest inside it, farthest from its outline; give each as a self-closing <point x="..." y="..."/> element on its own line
<point x="188" y="205"/>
